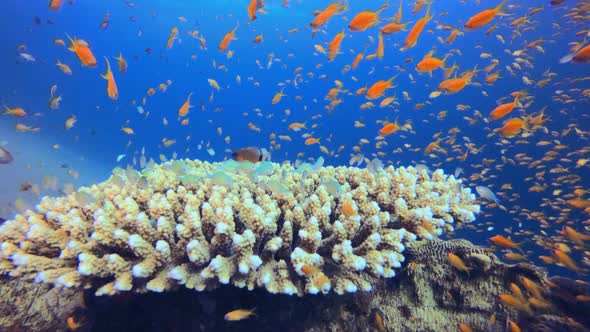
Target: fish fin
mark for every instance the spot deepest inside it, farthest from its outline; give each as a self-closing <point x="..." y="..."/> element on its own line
<point x="567" y="58"/>
<point x="500" y="7"/>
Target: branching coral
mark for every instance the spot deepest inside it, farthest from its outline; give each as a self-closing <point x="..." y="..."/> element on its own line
<point x="293" y="231"/>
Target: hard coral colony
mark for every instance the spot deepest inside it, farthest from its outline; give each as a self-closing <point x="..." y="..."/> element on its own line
<point x="173" y="224"/>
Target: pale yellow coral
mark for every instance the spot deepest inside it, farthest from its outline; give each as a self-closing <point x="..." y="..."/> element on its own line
<point x="200" y="225"/>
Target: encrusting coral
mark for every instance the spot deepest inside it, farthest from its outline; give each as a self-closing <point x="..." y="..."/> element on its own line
<point x="293" y="231"/>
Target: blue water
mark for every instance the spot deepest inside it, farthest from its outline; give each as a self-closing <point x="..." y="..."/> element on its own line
<point x="91" y="147"/>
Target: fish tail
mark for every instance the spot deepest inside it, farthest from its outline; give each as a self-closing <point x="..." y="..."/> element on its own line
<point x="71" y="48"/>
<point x="429" y="16"/>
<point x="500" y="7"/>
<point x="106" y="75"/>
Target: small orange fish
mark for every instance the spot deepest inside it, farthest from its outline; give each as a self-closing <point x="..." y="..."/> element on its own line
<point x="83" y="52"/>
<point x="378" y="88"/>
<point x="429" y="63"/>
<point x="311" y="141"/>
<point x="73" y="325"/>
<point x="112" y="90"/>
<point x="504" y="109"/>
<point x="575" y="236"/>
<point x="379" y="321"/>
<point x="239" y="314"/>
<point x="64" y="68"/>
<point x="334" y="46"/>
<point x="458" y="263"/>
<point x="456" y="84"/>
<point x="172" y="37"/>
<point x="278" y="96"/>
<point x="322" y="17"/>
<point x="357" y="60"/>
<point x="513" y="326"/>
<point x="484" y="17"/>
<point x="416" y="31"/>
<point x="55" y="4"/>
<point x="18" y="112"/>
<point x="253" y="7"/>
<point x="513" y="126"/>
<point x="465" y="328"/>
<point x="183" y="110"/>
<point x="513" y="302"/>
<point x="581" y="56"/>
<point x="365" y="20"/>
<point x="389" y="128"/>
<point x="566" y="260"/>
<point x="500" y="241"/>
<point x="122" y="63"/>
<point x="392" y="28"/>
<point x="224" y="43"/>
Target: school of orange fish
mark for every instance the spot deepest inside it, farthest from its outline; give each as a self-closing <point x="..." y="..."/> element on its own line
<point x="521" y="128"/>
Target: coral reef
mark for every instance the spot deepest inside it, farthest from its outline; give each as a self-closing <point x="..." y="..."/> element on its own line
<point x="291" y="231"/>
<point x="27" y="306"/>
<point x="428" y="294"/>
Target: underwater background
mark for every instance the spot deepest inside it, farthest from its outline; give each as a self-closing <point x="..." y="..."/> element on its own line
<point x="534" y="207"/>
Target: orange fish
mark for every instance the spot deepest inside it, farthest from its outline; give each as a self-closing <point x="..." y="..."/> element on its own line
<point x="513" y="126"/>
<point x="393" y="27"/>
<point x="575" y="236"/>
<point x="311" y="141"/>
<point x="378" y="88"/>
<point x="380" y="47"/>
<point x="253" y="8"/>
<point x="465" y="328"/>
<point x="484" y="17"/>
<point x="432" y="146"/>
<point x="429" y="63"/>
<point x="278" y="96"/>
<point x="357" y="60"/>
<point x="566" y="260"/>
<point x="183" y="110"/>
<point x="112" y="90"/>
<point x="334" y="46"/>
<point x="172" y="37"/>
<point x="322" y="17"/>
<point x="514" y="302"/>
<point x="500" y="241"/>
<point x="412" y="38"/>
<point x="72" y="323"/>
<point x="451" y="38"/>
<point x="224" y="43"/>
<point x="64" y="68"/>
<point x="82" y="50"/>
<point x="59" y="42"/>
<point x="581" y="56"/>
<point x="504" y="109"/>
<point x="456" y="84"/>
<point x="389" y="128"/>
<point x="55" y="4"/>
<point x="18" y="112"/>
<point x="239" y="314"/>
<point x="513" y="326"/>
<point x="122" y="63"/>
<point x="418" y="5"/>
<point x="365" y="20"/>
<point x="458" y="263"/>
